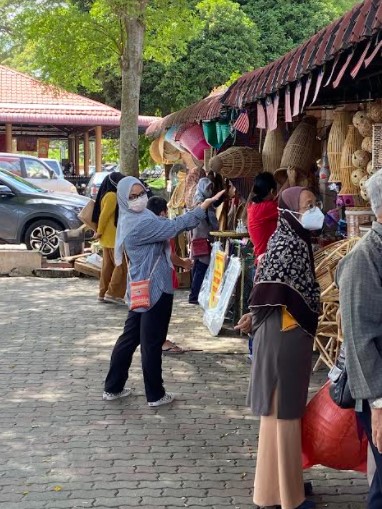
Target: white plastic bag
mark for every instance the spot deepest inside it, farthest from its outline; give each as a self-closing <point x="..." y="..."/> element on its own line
<point x="95" y="259"/>
<point x="204" y="294"/>
<point x="213" y="318"/>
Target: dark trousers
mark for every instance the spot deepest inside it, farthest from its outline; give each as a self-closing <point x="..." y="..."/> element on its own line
<point x="149" y="330"/>
<point x="198" y="272"/>
<point x="374" y="500"/>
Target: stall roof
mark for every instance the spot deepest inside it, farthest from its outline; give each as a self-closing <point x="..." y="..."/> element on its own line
<point x="26" y="100"/>
<point x="342" y="36"/>
<point x="206" y="109"/>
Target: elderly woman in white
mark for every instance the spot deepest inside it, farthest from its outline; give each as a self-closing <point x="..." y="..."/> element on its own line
<point x="359" y="277"/>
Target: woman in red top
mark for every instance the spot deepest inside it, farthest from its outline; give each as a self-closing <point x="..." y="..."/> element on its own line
<point x="262" y="213"/>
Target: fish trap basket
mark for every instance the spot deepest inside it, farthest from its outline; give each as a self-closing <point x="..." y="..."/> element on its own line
<point x="377" y="147"/>
<point x="273" y="150"/>
<point x="356" y="217"/>
<point x="237" y="162"/>
<point x="298" y="152"/>
<point x="336" y="140"/>
<point x="352" y="143"/>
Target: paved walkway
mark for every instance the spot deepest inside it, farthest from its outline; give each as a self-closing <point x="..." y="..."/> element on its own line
<point x="63" y="447"/>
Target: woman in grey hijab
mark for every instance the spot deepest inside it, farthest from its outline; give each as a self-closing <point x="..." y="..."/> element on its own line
<point x="201" y="235"/>
<point x="144" y="237"/>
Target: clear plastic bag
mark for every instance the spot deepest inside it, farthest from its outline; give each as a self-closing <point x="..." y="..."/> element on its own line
<point x="213" y="318"/>
<point x="204" y="294"/>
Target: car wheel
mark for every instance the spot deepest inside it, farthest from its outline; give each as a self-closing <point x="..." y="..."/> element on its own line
<point x="42" y="236"/>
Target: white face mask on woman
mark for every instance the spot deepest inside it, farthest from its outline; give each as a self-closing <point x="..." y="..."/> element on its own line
<point x="312" y="219"/>
<point x="139" y="204"/>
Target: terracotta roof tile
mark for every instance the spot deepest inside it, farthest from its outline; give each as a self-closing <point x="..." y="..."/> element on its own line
<point x="24" y="99"/>
<point x="360" y="23"/>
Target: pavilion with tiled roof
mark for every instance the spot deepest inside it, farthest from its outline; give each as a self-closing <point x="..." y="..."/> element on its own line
<point x="31" y="108"/>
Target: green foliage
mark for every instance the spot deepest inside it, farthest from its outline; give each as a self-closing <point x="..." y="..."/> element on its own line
<point x="226" y="46"/>
<point x="286" y="23"/>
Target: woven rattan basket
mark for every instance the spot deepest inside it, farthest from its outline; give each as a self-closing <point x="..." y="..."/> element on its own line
<point x="298" y="152"/>
<point x="326" y="260"/>
<point x="352" y="143"/>
<point x="155" y="152"/>
<point x="336" y="142"/>
<point x="237" y="162"/>
<point x="273" y="149"/>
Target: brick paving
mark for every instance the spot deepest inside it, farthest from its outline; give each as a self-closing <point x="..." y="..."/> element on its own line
<point x="63" y="447"/>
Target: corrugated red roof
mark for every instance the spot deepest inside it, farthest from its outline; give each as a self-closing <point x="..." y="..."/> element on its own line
<point x="206" y="109"/>
<point x="360" y="23"/>
<point x="24" y="99"/>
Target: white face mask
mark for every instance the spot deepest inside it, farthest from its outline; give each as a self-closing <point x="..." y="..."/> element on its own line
<point x="312" y="219"/>
<point x="139" y="204"/>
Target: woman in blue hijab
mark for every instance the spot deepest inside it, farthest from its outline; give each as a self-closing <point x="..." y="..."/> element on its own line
<point x="144" y="237"/>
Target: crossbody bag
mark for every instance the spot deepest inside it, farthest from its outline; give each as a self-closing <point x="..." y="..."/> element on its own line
<point x="140" y="290"/>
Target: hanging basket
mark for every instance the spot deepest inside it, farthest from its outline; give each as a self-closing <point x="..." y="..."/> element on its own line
<point x="155" y="152"/>
<point x="210" y="134"/>
<point x="336" y="142"/>
<point x="352" y="144"/>
<point x="237" y="162"/>
<point x="192" y="139"/>
<point x="273" y="149"/>
<point x="298" y="152"/>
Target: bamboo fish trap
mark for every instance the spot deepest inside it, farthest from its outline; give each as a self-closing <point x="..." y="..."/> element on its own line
<point x="237" y="162"/>
<point x="298" y="152"/>
<point x="336" y="142"/>
<point x="273" y="149"/>
<point x="352" y="143"/>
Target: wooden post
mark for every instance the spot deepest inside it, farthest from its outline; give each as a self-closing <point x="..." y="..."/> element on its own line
<point x="77" y="154"/>
<point x="71" y="151"/>
<point x="86" y="153"/>
<point x="98" y="133"/>
<point x="8" y="137"/>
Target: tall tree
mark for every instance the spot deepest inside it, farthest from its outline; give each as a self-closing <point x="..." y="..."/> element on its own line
<point x="55" y="41"/>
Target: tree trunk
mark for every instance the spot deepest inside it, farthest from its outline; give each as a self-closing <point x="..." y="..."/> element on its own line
<point x="132" y="61"/>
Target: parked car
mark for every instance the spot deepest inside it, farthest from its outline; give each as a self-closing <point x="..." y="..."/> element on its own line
<point x="94" y="184"/>
<point x="55" y="166"/>
<point x="34" y="216"/>
<point x="35" y="171"/>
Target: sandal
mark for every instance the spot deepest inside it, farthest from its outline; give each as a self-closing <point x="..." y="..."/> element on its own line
<point x="170" y="347"/>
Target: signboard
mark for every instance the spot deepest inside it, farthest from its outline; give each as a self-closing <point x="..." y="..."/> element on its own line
<point x="43" y="147"/>
<point x="217" y="278"/>
<point x="26" y="144"/>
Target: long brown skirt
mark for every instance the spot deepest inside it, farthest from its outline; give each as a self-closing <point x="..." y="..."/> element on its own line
<point x="279" y="475"/>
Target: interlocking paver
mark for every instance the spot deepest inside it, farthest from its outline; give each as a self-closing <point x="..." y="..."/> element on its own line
<point x="63" y="447"/>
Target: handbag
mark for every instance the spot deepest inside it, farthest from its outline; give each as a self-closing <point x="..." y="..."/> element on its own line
<point x="200" y="247"/>
<point x="86" y="215"/>
<point x="339" y="389"/>
<point x="140" y="290"/>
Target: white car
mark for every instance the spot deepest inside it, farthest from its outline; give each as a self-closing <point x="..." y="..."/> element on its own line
<point x="35" y="171"/>
<point x="55" y="166"/>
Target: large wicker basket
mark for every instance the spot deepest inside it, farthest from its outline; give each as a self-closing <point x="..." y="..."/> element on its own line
<point x="352" y="143"/>
<point x="237" y="162"/>
<point x="298" y="153"/>
<point x="336" y="142"/>
<point x="273" y="149"/>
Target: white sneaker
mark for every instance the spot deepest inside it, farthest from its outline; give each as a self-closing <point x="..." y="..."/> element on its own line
<point x="114" y="300"/>
<point x="109" y="396"/>
<point x="167" y="398"/>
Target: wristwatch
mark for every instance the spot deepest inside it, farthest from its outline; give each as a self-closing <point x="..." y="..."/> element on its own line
<point x="376" y="404"/>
